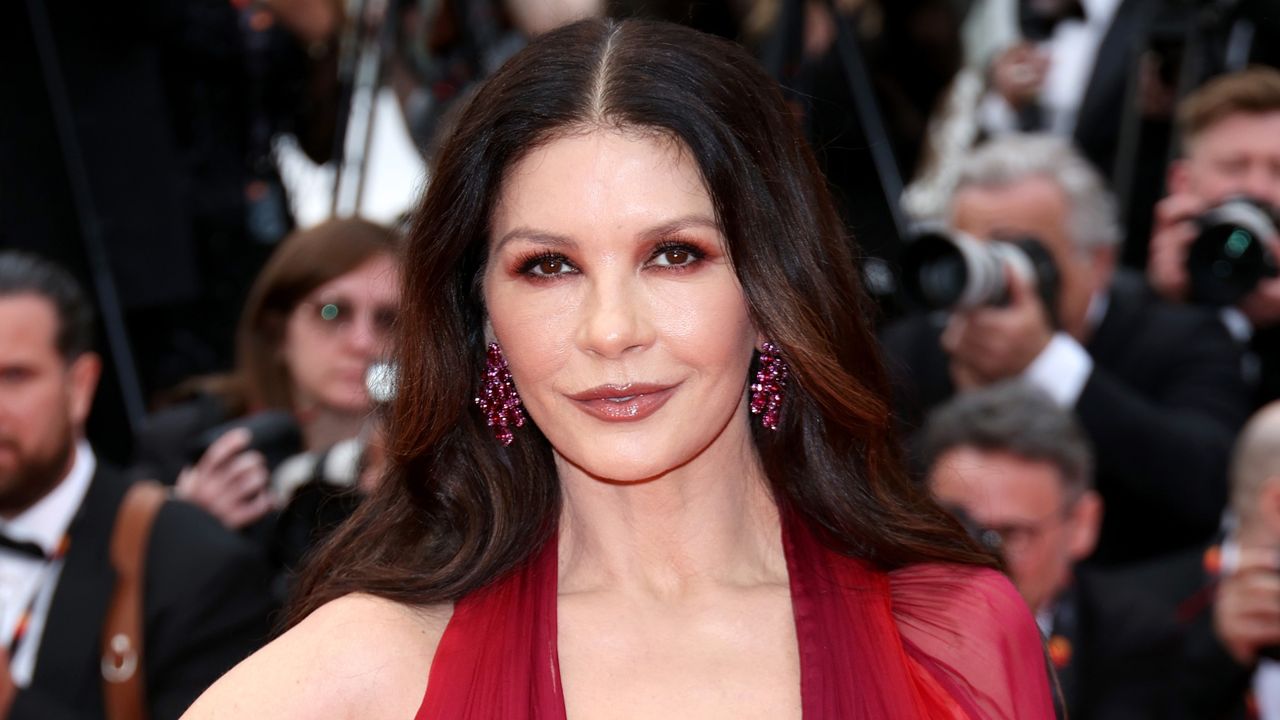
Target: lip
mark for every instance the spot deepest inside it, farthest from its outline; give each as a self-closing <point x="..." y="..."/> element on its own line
<point x="623" y="403"/>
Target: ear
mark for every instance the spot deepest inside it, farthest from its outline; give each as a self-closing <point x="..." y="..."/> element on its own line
<point x="1083" y="524"/>
<point x="1178" y="177"/>
<point x="82" y="382"/>
<point x="1102" y="261"/>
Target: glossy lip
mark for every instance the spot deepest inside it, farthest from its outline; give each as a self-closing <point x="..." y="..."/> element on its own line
<point x="623" y="403"/>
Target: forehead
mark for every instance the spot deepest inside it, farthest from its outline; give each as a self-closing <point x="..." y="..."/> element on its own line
<point x="28" y="328"/>
<point x="1033" y="205"/>
<point x="601" y="181"/>
<point x="996" y="485"/>
<point x="377" y="276"/>
<point x="1240" y="132"/>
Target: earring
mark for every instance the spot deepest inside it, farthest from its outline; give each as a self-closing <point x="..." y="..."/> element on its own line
<point x="498" y="398"/>
<point x="771" y="381"/>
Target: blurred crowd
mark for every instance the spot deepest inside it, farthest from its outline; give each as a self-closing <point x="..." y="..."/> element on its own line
<point x="1068" y="214"/>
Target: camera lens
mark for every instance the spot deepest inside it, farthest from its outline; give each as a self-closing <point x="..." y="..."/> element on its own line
<point x="1229" y="257"/>
<point x="942" y="271"/>
<point x="936" y="273"/>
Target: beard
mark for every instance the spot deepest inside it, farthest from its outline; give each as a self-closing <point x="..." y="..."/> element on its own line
<point x="34" y="476"/>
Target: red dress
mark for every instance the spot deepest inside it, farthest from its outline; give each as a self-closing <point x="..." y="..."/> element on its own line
<point x="927" y="641"/>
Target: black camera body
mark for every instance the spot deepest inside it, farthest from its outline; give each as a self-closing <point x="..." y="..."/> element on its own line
<point x="274" y="433"/>
<point x="953" y="271"/>
<point x="1230" y="257"/>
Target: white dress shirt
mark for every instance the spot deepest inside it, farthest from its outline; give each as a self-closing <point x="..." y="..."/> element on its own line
<point x="1063" y="367"/>
<point x="23" y="578"/>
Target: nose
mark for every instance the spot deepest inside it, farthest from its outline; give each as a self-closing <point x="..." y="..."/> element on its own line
<point x="614" y="318"/>
<point x="362" y="336"/>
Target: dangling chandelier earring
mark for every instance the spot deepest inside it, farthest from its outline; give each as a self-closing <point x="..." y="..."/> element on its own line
<point x="498" y="398"/>
<point x="771" y="382"/>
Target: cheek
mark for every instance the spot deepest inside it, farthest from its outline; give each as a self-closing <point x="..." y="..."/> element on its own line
<point x="304" y="358"/>
<point x="707" y="325"/>
<point x="535" y="329"/>
<point x="1212" y="183"/>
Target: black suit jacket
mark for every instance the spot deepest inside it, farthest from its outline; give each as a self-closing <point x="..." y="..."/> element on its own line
<point x="1161" y="408"/>
<point x="1126" y="637"/>
<point x="206" y="607"/>
<point x="1101" y="113"/>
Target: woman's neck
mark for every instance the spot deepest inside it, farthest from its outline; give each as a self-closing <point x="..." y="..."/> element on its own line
<point x="323" y="428"/>
<point x="710" y="521"/>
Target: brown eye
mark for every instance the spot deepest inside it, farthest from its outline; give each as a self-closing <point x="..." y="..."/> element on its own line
<point x="546" y="266"/>
<point x="679" y="256"/>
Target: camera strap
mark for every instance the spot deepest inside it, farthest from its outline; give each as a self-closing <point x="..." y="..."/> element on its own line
<point x="124" y="690"/>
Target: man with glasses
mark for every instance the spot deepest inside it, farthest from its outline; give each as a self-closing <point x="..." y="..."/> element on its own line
<point x="1020" y="468"/>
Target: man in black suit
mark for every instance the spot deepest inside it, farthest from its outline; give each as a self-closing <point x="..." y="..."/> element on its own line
<point x="1020" y="468"/>
<point x="1230" y="131"/>
<point x="1157" y="387"/>
<point x="204" y="593"/>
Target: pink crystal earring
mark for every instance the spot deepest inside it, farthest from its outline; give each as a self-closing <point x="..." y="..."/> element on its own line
<point x="771" y="382"/>
<point x="498" y="398"/>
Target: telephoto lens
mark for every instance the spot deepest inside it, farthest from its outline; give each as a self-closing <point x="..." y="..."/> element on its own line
<point x="949" y="271"/>
<point x="1229" y="257"/>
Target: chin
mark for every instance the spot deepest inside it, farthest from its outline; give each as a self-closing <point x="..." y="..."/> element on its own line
<point x="629" y="460"/>
<point x="350" y="404"/>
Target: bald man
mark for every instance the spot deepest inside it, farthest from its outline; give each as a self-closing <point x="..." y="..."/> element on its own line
<point x="1235" y="654"/>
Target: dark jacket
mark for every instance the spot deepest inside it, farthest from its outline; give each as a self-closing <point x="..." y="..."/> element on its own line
<point x="1126" y="634"/>
<point x="205" y="608"/>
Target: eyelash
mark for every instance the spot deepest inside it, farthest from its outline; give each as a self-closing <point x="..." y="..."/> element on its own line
<point x="526" y="265"/>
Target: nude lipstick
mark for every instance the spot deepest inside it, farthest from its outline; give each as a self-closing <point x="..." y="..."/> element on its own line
<point x="623" y="403"/>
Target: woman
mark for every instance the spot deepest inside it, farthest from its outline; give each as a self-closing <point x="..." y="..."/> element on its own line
<point x="624" y="218"/>
<point x="319" y="314"/>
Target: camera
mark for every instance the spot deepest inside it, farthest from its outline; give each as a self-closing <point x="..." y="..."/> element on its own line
<point x="1229" y="256"/>
<point x="949" y="271"/>
<point x="274" y="433"/>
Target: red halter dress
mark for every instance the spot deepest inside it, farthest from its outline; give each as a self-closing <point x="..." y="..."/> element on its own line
<point x="927" y="641"/>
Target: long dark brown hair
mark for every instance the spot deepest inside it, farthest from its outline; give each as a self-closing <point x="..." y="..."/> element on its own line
<point x="457" y="509"/>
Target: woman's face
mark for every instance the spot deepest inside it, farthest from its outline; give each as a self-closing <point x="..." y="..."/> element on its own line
<point x="335" y="333"/>
<point x="609" y="289"/>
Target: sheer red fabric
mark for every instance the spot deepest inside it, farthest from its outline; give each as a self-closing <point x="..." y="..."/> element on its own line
<point x="927" y="641"/>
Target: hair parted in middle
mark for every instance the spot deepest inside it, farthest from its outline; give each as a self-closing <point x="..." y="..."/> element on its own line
<point x="457" y="509"/>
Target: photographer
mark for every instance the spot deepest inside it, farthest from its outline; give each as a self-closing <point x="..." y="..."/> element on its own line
<point x="1021" y="469"/>
<point x="1156" y="387"/>
<point x="1233" y="647"/>
<point x="1230" y="132"/>
<point x="319" y="315"/>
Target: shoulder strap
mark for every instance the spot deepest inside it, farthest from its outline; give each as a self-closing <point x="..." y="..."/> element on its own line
<point x="124" y="692"/>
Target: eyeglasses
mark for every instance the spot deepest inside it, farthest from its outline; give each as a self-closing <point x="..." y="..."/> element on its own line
<point x="1016" y="537"/>
<point x="333" y="315"/>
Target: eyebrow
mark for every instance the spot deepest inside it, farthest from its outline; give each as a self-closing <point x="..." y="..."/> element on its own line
<point x="555" y="240"/>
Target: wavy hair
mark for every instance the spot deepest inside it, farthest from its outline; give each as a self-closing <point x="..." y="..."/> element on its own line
<point x="457" y="510"/>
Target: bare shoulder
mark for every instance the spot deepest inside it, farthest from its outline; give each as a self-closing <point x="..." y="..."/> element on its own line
<point x="357" y="656"/>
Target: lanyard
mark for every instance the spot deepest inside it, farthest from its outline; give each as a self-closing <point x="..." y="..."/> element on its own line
<point x="52" y="563"/>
